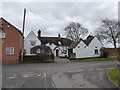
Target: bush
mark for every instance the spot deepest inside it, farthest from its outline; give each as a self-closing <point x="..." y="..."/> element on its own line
<point x="39" y="58"/>
<point x="103" y="53"/>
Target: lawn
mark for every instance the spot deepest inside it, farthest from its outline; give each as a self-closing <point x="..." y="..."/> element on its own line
<point x="96" y="59"/>
<point x="113" y="74"/>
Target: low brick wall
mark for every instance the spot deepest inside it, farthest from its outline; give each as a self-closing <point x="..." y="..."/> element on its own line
<point x="112" y="52"/>
<point x="39" y="58"/>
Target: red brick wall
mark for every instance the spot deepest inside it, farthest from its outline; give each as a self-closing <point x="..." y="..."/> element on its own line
<point x="0" y="44"/>
<point x="112" y="51"/>
<point x="13" y="39"/>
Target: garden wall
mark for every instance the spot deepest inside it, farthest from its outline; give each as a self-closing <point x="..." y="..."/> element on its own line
<point x="39" y="58"/>
<point x="112" y="52"/>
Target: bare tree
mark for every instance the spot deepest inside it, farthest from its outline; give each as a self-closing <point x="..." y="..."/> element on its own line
<point x="75" y="31"/>
<point x="109" y="32"/>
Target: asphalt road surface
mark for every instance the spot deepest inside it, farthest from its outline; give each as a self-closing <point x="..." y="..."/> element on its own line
<point x="58" y="75"/>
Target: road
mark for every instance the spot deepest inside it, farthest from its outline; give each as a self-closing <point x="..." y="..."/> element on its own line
<point x="58" y="75"/>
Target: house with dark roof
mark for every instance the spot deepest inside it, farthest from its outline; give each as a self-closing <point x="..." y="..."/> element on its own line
<point x="58" y="44"/>
<point x="90" y="47"/>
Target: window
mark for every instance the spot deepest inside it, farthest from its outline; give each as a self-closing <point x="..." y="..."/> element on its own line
<point x="9" y="50"/>
<point x="84" y="46"/>
<point x="96" y="51"/>
<point x="31" y="51"/>
<point x="50" y="43"/>
<point x="1" y="27"/>
<point x="78" y="46"/>
<point x="38" y="51"/>
<point x="2" y="35"/>
<point x="33" y="43"/>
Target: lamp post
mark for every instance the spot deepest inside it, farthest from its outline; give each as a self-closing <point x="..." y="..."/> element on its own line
<point x="22" y="54"/>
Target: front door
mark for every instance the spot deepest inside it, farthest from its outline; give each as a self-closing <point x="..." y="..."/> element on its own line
<point x="57" y="51"/>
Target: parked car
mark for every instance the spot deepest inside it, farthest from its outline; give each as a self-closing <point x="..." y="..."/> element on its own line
<point x="63" y="54"/>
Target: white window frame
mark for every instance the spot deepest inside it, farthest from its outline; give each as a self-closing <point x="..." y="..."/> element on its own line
<point x="2" y="35"/>
<point x="32" y="41"/>
<point x="9" y="50"/>
<point x="38" y="50"/>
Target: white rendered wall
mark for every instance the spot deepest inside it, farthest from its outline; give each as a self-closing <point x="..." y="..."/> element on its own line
<point x="88" y="51"/>
<point x="27" y="44"/>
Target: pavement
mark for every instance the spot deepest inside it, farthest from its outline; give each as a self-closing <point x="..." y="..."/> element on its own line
<point x="58" y="75"/>
<point x="61" y="60"/>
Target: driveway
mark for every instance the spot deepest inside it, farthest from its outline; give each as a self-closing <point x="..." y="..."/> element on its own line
<point x="58" y="75"/>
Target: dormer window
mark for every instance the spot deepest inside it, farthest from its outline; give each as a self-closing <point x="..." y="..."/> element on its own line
<point x="33" y="42"/>
<point x="50" y="43"/>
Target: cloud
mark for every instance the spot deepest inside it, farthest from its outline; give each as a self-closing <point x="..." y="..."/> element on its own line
<point x="53" y="17"/>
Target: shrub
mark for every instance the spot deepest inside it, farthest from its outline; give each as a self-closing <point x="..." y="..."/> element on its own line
<point x="39" y="58"/>
<point x="103" y="53"/>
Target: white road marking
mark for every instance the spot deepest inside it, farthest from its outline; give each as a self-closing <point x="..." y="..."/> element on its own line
<point x="38" y="75"/>
<point x="69" y="71"/>
<point x="99" y="69"/>
<point x="25" y="76"/>
<point x="79" y="70"/>
<point x="109" y="68"/>
<point x="11" y="77"/>
<point x="45" y="74"/>
<point x="91" y="69"/>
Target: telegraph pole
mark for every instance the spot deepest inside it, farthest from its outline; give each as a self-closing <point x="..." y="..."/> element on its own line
<point x="22" y="54"/>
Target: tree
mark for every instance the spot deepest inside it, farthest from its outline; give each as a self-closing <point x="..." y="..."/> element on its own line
<point x="109" y="31"/>
<point x="75" y="31"/>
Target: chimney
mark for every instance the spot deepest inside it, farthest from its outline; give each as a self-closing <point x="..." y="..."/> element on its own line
<point x="59" y="35"/>
<point x="39" y="34"/>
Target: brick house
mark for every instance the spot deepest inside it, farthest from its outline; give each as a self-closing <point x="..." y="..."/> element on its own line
<point x="10" y="42"/>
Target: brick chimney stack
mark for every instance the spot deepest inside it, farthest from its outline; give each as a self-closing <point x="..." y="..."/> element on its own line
<point x="39" y="34"/>
<point x="59" y="35"/>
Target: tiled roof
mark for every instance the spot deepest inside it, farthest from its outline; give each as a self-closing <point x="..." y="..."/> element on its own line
<point x="73" y="45"/>
<point x="56" y="40"/>
<point x="88" y="40"/>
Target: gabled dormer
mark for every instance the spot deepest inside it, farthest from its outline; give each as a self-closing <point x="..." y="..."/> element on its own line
<point x="95" y="42"/>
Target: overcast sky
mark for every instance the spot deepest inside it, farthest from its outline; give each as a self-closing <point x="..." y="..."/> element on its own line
<point x="52" y="17"/>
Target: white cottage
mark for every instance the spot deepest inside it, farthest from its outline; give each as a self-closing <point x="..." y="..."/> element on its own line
<point x="58" y="44"/>
<point x="31" y="41"/>
<point x="86" y="48"/>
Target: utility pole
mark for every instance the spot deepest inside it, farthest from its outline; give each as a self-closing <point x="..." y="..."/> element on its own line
<point x="22" y="54"/>
<point x="118" y="44"/>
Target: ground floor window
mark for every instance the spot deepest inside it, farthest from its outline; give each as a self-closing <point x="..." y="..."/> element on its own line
<point x="9" y="50"/>
<point x="96" y="51"/>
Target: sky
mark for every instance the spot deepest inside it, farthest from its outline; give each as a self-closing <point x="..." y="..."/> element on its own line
<point x="52" y="17"/>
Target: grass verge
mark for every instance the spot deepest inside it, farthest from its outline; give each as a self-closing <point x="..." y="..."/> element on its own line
<point x="113" y="75"/>
<point x="96" y="59"/>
